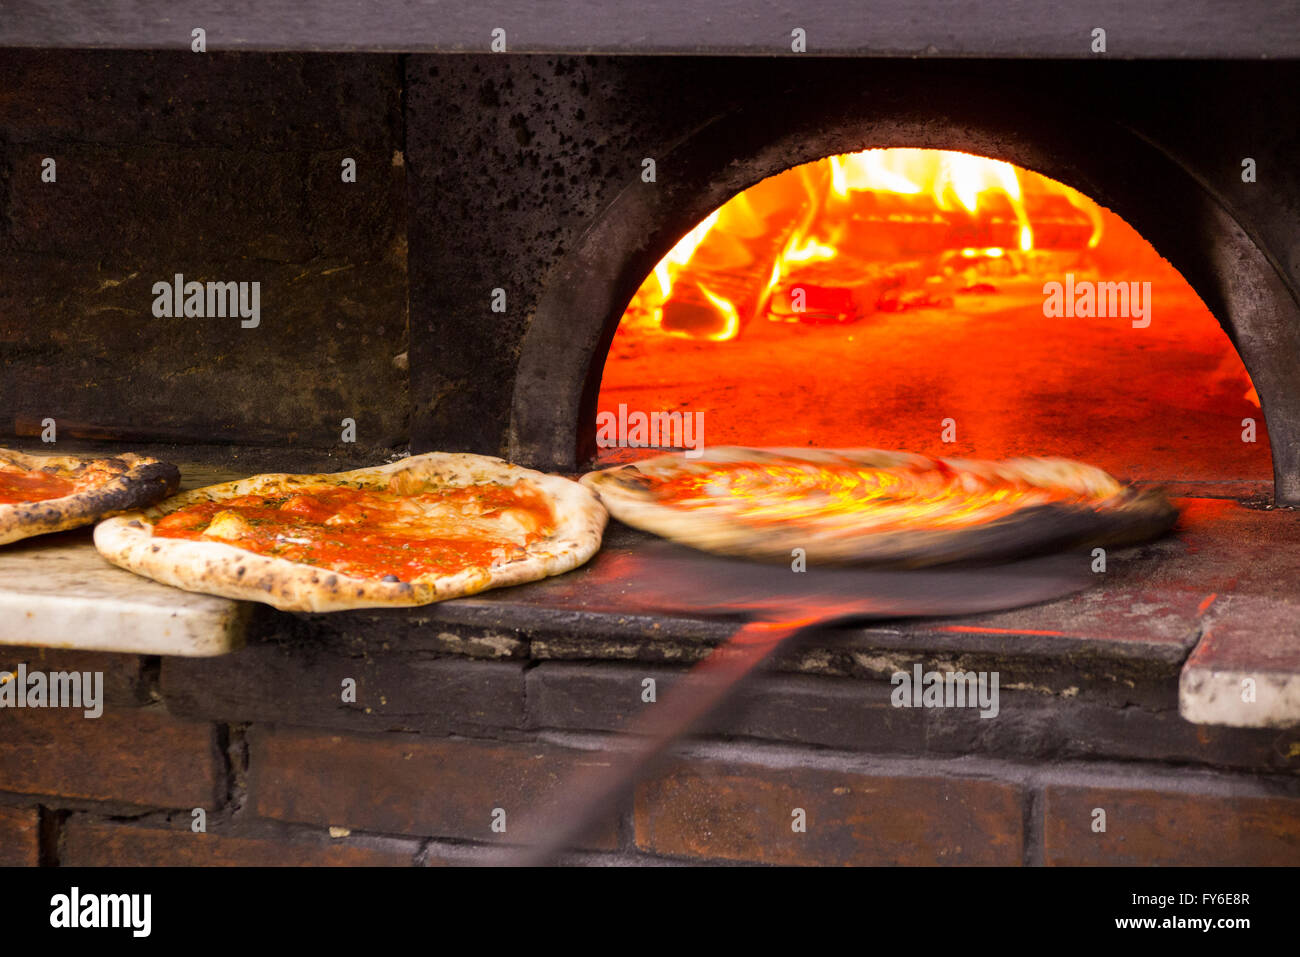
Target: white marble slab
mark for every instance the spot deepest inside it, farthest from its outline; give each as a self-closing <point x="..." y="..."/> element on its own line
<point x="1239" y="698"/>
<point x="1245" y="672"/>
<point x="57" y="592"/>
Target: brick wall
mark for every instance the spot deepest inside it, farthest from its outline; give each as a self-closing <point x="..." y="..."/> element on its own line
<point x="412" y="772"/>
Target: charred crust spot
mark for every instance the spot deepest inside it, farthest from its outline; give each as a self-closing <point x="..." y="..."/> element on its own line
<point x="153" y="548"/>
<point x="135" y="523"/>
<point x="390" y="578"/>
<point x="239" y="572"/>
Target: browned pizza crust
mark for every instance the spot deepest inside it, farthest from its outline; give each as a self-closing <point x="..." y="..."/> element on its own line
<point x="1110" y="512"/>
<point x="130" y="481"/>
<point x="218" y="568"/>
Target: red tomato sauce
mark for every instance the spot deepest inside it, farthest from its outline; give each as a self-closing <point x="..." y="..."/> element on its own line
<point x="32" y="486"/>
<point x="342" y="529"/>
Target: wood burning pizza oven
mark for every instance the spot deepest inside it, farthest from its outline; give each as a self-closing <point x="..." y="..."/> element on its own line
<point x="445" y="241"/>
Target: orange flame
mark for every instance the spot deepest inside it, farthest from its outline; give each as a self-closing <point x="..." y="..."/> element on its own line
<point x="801" y="218"/>
<point x="731" y="324"/>
<point x="681" y="253"/>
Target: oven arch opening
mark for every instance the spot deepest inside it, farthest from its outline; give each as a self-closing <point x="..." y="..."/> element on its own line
<point x="566" y="351"/>
<point x="931" y="301"/>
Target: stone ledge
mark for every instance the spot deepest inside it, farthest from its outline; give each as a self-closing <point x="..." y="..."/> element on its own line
<point x="1227" y="564"/>
<point x="858" y="716"/>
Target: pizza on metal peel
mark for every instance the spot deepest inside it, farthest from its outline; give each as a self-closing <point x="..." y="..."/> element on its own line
<point x="876" y="507"/>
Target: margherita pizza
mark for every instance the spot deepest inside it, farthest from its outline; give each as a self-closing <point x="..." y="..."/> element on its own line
<point x="871" y="506"/>
<point x="419" y="530"/>
<point x="50" y="493"/>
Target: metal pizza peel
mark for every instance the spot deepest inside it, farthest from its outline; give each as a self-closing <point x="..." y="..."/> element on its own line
<point x="772" y="605"/>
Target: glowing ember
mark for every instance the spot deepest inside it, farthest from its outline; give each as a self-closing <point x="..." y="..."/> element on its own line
<point x="837" y="230"/>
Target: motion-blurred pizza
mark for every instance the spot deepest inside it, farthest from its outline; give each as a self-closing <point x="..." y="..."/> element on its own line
<point x="874" y="506"/>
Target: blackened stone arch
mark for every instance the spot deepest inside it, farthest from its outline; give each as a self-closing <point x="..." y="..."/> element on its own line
<point x="1067" y="135"/>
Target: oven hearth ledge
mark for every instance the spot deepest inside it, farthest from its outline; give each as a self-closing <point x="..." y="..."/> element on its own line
<point x="1206" y="610"/>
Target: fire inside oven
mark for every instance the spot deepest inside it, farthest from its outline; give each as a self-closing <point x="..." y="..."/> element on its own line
<point x="931" y="300"/>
